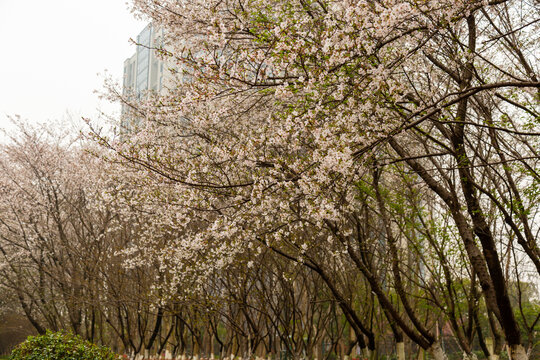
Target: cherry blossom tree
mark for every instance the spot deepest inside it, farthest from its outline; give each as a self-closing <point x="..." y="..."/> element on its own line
<point x="284" y="120"/>
<point x="61" y="238"/>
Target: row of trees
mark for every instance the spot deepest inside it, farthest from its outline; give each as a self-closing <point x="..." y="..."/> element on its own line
<point x="318" y="172"/>
<point x="67" y="261"/>
<point x="75" y="256"/>
<point x="68" y="245"/>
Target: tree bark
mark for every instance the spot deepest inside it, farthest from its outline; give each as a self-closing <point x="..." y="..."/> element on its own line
<point x="400" y="350"/>
<point x="517" y="352"/>
<point x="437" y="352"/>
<point x="471" y="356"/>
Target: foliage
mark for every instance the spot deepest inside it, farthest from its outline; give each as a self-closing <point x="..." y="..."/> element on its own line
<point x="60" y="346"/>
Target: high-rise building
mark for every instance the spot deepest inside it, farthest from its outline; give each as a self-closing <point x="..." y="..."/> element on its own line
<point x="143" y="72"/>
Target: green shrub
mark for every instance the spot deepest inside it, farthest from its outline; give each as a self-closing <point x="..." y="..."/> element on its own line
<point x="60" y="346"/>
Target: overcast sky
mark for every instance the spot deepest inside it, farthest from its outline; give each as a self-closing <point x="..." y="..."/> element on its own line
<point x="52" y="52"/>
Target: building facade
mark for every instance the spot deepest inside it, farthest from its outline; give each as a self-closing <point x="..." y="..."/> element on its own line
<point x="144" y="70"/>
<point x="143" y="73"/>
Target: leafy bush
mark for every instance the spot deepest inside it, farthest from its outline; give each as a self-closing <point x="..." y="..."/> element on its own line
<point x="60" y="346"/>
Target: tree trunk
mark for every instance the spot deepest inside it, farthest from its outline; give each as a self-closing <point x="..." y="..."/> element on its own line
<point x="517" y="352"/>
<point x="437" y="352"/>
<point x="366" y="353"/>
<point x="471" y="356"/>
<point x="420" y="355"/>
<point x="400" y="350"/>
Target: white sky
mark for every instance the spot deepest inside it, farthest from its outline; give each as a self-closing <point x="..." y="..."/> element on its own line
<point x="52" y="52"/>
